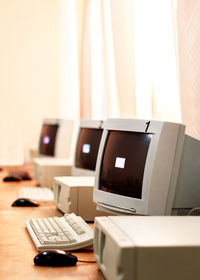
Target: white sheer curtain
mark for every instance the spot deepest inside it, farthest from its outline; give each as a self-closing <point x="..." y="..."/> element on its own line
<point x="68" y="94"/>
<point x="157" y="92"/>
<point x="129" y="61"/>
<point x="188" y="33"/>
<point x="94" y="103"/>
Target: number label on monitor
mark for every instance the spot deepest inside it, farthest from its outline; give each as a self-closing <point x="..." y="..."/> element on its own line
<point x="147" y="123"/>
<point x="120" y="162"/>
<point x="86" y="148"/>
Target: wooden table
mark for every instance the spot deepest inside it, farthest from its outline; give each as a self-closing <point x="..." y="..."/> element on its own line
<point x="16" y="248"/>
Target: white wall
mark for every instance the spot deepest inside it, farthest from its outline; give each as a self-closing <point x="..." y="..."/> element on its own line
<point x="30" y="63"/>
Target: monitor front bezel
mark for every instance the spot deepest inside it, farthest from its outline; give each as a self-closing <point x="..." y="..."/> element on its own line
<point x="156" y="172"/>
<point x="84" y="123"/>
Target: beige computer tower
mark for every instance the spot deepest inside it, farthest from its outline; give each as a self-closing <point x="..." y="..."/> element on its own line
<point x="74" y="194"/>
<point x="148" y="248"/>
<point x="45" y="169"/>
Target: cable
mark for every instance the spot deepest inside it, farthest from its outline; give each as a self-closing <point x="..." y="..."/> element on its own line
<point x="86" y="261"/>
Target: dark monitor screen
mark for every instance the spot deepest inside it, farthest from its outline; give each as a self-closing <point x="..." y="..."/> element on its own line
<point x="123" y="163"/>
<point x="87" y="148"/>
<point x="47" y="139"/>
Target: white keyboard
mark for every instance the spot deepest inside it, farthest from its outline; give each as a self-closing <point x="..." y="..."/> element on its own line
<point x="36" y="193"/>
<point x="69" y="232"/>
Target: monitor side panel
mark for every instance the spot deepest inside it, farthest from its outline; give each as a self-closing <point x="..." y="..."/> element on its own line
<point x="162" y="180"/>
<point x="187" y="193"/>
<point x="64" y="138"/>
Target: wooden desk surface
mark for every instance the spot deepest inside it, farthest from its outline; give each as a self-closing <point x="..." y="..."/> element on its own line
<point x="16" y="248"/>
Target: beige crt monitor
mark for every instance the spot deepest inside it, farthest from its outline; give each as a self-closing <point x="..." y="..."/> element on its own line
<point x="46" y="167"/>
<point x="74" y="194"/>
<point x="57" y="137"/>
<point x="148" y="247"/>
<point x="147" y="167"/>
<point x="87" y="145"/>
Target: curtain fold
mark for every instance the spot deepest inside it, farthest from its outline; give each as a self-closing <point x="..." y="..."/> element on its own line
<point x="188" y="32"/>
<point x="69" y="105"/>
<point x="128" y="60"/>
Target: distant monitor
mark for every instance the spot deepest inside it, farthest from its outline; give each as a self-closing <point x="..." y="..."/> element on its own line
<point x="147" y="168"/>
<point x="56" y="138"/>
<point x="48" y="139"/>
<point x="84" y="149"/>
<point x="88" y="141"/>
<point x="74" y="193"/>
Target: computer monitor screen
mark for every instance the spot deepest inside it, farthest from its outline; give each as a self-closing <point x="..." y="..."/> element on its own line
<point x="146" y="168"/>
<point x="87" y="147"/>
<point x="48" y="139"/>
<point x="123" y="163"/>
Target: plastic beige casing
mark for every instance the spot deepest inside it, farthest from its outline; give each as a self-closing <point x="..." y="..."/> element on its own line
<point x="73" y="194"/>
<point x="45" y="169"/>
<point x="160" y="173"/>
<point x="153" y="248"/>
